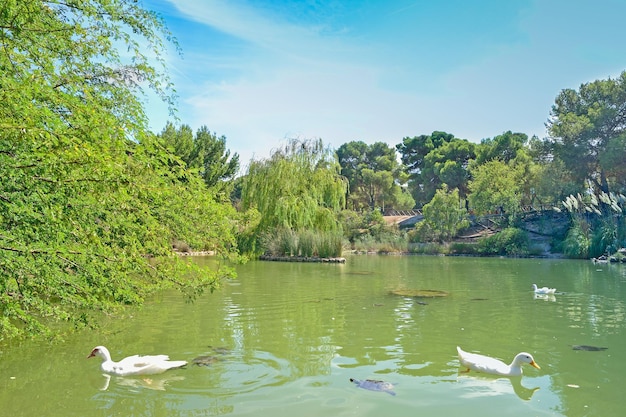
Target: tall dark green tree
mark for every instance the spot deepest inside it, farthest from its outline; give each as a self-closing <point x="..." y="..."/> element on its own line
<point x="178" y="140"/>
<point x="504" y="147"/>
<point x="449" y="164"/>
<point x="212" y="158"/>
<point x="413" y="151"/>
<point x="90" y="202"/>
<point x="587" y="132"/>
<point x="204" y="152"/>
<point x="374" y="176"/>
<point x="434" y="160"/>
<point x="588" y="138"/>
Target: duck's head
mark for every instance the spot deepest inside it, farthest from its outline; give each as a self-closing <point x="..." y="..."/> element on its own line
<point x="100" y="351"/>
<point x="526" y="358"/>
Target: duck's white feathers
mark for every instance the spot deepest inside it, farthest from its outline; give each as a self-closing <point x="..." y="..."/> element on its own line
<point x="488" y="365"/>
<point x="543" y="290"/>
<point x="136" y="364"/>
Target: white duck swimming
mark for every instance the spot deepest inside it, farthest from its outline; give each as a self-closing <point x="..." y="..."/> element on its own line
<point x="543" y="290"/>
<point x="134" y="365"/>
<point x="481" y="363"/>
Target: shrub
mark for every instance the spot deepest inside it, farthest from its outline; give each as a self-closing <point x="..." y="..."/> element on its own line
<point x="462" y="248"/>
<point x="307" y="243"/>
<point x="430" y="248"/>
<point x="510" y="241"/>
<point x="330" y="244"/>
<point x="389" y="241"/>
<point x="283" y="242"/>
<point x="577" y="241"/>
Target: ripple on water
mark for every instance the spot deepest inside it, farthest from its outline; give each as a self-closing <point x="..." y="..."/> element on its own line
<point x="239" y="373"/>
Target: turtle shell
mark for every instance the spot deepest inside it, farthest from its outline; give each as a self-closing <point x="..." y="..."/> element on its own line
<point x="374" y="385"/>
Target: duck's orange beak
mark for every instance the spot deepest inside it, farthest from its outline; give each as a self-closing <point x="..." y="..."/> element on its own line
<point x="534" y="364"/>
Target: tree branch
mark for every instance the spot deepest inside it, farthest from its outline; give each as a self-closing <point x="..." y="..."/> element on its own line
<point x="55" y="252"/>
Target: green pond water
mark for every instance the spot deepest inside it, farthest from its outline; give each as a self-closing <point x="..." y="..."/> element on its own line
<point x="284" y="339"/>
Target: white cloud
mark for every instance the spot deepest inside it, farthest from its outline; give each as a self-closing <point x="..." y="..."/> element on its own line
<point x="285" y="79"/>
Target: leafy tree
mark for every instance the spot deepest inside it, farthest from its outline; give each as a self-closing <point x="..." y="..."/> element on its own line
<point x="448" y="164"/>
<point x="613" y="162"/>
<point x="205" y="152"/>
<point x="588" y="129"/>
<point x="443" y="218"/>
<point x="90" y="203"/>
<point x="352" y="157"/>
<point x="212" y="158"/>
<point x="552" y="183"/>
<point x="414" y="150"/>
<point x="376" y="185"/>
<point x="496" y="186"/>
<point x="298" y="188"/>
<point x="433" y="160"/>
<point x="179" y="141"/>
<point x="504" y="147"/>
<point x="374" y="176"/>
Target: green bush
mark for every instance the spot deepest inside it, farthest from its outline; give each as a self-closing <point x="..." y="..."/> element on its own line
<point x="462" y="248"/>
<point x="382" y="243"/>
<point x="330" y="244"/>
<point x="510" y="241"/>
<point x="422" y="232"/>
<point x="430" y="248"/>
<point x="307" y="243"/>
<point x="577" y="241"/>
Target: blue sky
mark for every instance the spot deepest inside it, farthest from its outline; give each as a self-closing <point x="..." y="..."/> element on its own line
<point x="260" y="72"/>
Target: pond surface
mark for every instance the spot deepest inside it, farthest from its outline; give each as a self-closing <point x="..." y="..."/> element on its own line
<point x="284" y="339"/>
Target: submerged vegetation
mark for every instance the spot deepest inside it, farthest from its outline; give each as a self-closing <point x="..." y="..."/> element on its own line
<point x="93" y="205"/>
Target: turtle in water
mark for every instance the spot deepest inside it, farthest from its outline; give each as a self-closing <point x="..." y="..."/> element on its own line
<point x="205" y="360"/>
<point x="589" y="348"/>
<point x="374" y="385"/>
<point x="220" y="350"/>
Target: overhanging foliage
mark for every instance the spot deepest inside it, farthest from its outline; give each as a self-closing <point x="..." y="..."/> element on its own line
<point x="89" y="202"/>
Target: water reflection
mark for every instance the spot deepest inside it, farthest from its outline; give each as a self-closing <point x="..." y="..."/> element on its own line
<point x="153" y="382"/>
<point x="480" y="386"/>
<point x="288" y="338"/>
<point x="545" y="297"/>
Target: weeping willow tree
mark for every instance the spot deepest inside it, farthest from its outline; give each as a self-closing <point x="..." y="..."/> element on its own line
<point x="297" y="190"/>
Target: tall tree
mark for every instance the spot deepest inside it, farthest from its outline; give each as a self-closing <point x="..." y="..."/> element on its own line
<point x="587" y="130"/>
<point x="87" y="195"/>
<point x="448" y="164"/>
<point x="443" y="217"/>
<point x="212" y="158"/>
<point x="298" y="188"/>
<point x="178" y="140"/>
<point x="413" y="151"/>
<point x="352" y="157"/>
<point x="204" y="151"/>
<point x="496" y="186"/>
<point x="535" y="174"/>
<point x="374" y="176"/>
<point x="436" y="159"/>
<point x="504" y="147"/>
